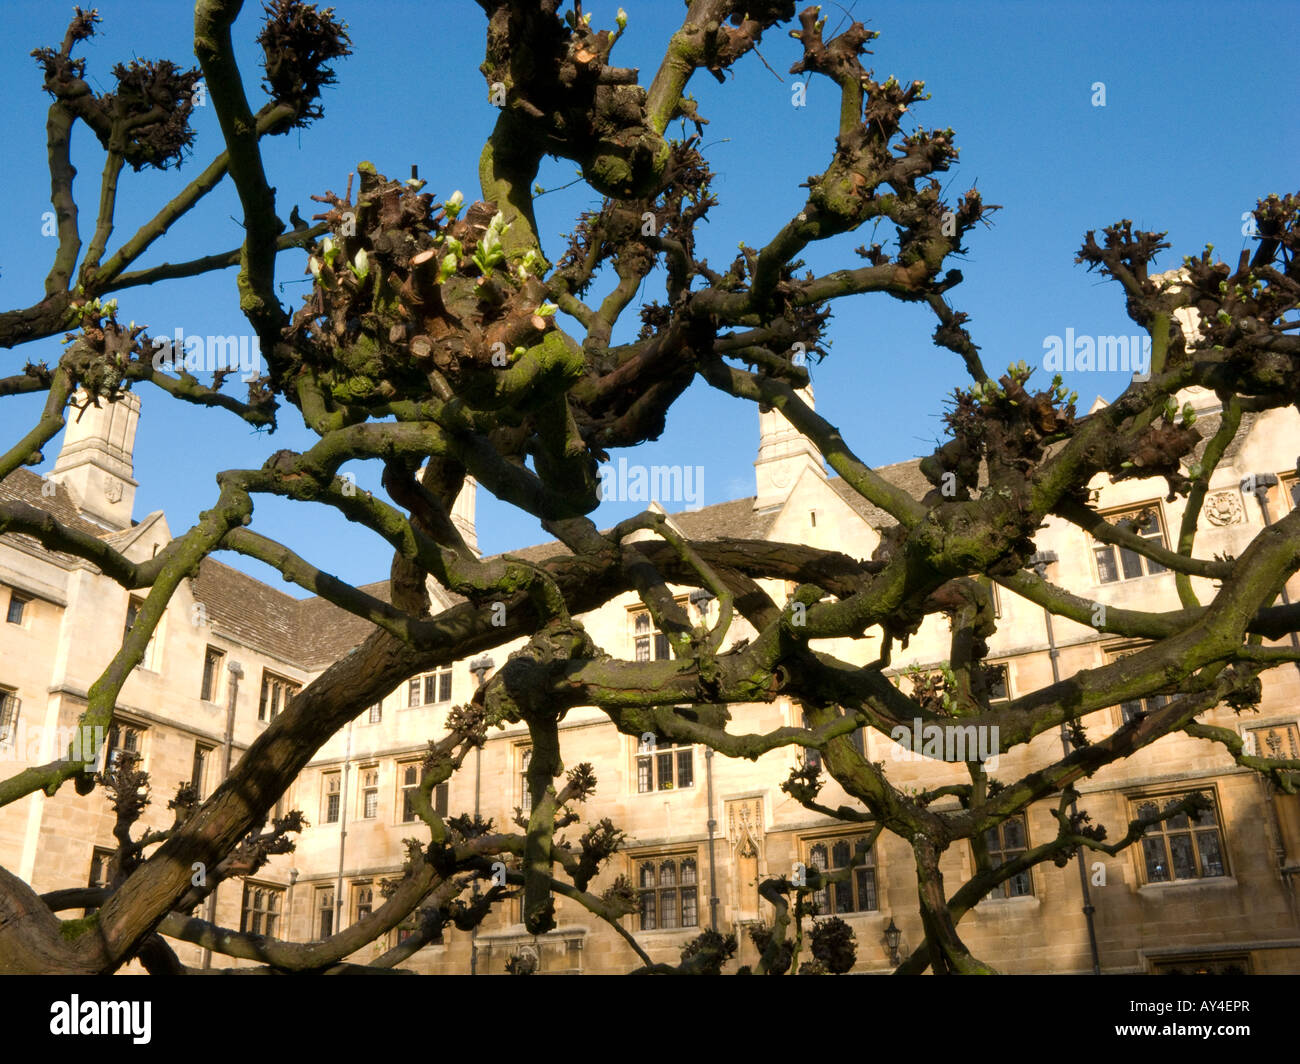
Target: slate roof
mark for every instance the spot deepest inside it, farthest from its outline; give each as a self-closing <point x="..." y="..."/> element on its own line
<point x="252" y="612"/>
<point x="905" y="475"/>
<point x="312" y="632"/>
<point x="326" y="632"/>
<point x="1208" y="424"/>
<point x="22" y="485"/>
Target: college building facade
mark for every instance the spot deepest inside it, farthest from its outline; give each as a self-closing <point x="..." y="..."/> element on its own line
<point x="1220" y="893"/>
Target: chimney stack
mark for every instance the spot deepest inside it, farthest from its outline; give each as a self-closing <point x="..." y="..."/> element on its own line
<point x="95" y="463"/>
<point x="783" y="455"/>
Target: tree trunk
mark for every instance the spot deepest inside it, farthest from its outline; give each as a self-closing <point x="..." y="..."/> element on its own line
<point x="948" y="954"/>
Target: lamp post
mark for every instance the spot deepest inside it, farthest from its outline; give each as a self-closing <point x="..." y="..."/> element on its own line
<point x="1040" y="562"/>
<point x="480" y="667"/>
<point x="893" y="936"/>
<point x="701" y="600"/>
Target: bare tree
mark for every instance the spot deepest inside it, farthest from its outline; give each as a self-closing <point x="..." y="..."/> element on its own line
<point x="430" y="342"/>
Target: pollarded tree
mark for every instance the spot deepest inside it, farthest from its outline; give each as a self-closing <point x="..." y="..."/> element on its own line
<point x="430" y="344"/>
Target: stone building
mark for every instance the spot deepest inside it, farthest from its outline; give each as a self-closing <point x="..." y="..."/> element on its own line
<point x="1216" y="894"/>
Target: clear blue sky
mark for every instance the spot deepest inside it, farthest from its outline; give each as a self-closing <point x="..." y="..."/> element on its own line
<point x="1199" y="122"/>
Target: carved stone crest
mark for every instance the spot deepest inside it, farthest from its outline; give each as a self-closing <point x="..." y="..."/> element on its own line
<point x="112" y="488"/>
<point x="745" y="834"/>
<point x="1224" y="508"/>
<point x="744" y="826"/>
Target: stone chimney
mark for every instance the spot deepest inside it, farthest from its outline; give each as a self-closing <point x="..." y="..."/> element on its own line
<point x="783" y="455"/>
<point x="1203" y="400"/>
<point x="95" y="463"/>
<point x="462" y="513"/>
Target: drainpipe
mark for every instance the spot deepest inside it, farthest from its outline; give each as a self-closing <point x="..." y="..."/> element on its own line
<point x="343" y="834"/>
<point x="480" y="668"/>
<point x="702" y="600"/>
<point x="1258" y="485"/>
<point x="1040" y="562"/>
<point x="236" y="670"/>
<point x="288" y="906"/>
<point x="713" y="872"/>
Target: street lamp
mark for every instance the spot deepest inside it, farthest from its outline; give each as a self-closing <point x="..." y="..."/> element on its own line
<point x="893" y="936"/>
<point x="1042" y="560"/>
<point x="701" y="600"/>
<point x="480" y="667"/>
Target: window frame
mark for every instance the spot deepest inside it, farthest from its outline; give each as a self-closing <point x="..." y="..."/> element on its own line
<point x="328" y="807"/>
<point x="278" y="684"/>
<point x="664" y="747"/>
<point x="813" y="757"/>
<point x="827" y="899"/>
<point x="272" y="915"/>
<point x="363" y="899"/>
<point x="1005" y="666"/>
<point x="1118" y="559"/>
<point x="401" y="933"/>
<point x="403" y="802"/>
<point x="657" y="647"/>
<point x="1163" y="831"/>
<point x="932" y="673"/>
<point x="1161" y="965"/>
<point x="114" y="736"/>
<point x="11" y="707"/>
<point x="148" y="660"/>
<point x="367" y="791"/>
<point x="656" y="860"/>
<point x="22" y="600"/>
<point x="1127" y="711"/>
<point x="324" y="903"/>
<point x="199" y="767"/>
<point x="438" y="683"/>
<point x="210" y="685"/>
<point x="524" y="757"/>
<point x="441" y="793"/>
<point x="1007" y="889"/>
<point x="97" y="854"/>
